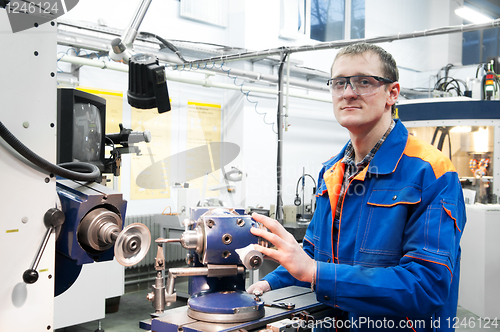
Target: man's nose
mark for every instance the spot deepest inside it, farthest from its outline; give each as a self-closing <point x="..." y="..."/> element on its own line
<point x="349" y="91"/>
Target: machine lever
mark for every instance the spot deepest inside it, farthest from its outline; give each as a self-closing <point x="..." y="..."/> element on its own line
<point x="282" y="305"/>
<point x="162" y="240"/>
<point x="52" y="219"/>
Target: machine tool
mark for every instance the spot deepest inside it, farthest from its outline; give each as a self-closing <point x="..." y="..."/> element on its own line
<point x="221" y="250"/>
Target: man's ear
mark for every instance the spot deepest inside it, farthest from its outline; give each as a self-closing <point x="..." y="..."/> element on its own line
<point x="394" y="91"/>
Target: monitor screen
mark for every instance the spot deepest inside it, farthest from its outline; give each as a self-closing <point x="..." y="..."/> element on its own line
<point x="87" y="133"/>
<point x="81" y="131"/>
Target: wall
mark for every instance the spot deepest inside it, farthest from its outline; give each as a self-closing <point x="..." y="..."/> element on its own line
<point x="314" y="135"/>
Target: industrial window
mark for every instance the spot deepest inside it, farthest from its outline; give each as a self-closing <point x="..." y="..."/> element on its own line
<point x="337" y="19"/>
<point x="480" y="45"/>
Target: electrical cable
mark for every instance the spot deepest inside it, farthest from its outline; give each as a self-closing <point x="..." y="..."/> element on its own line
<point x="445" y="131"/>
<point x="447" y="84"/>
<point x="248" y="99"/>
<point x="297" y="198"/>
<point x="167" y="44"/>
<point x="64" y="170"/>
<point x="479" y="67"/>
<point x="113" y="152"/>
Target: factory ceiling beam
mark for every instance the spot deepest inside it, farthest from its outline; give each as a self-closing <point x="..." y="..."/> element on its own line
<point x="342" y="43"/>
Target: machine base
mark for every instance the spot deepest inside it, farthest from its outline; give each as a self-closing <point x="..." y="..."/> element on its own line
<point x="225" y="307"/>
<point x="177" y="319"/>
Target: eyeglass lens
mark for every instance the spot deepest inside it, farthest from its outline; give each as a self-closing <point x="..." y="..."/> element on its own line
<point x="361" y="85"/>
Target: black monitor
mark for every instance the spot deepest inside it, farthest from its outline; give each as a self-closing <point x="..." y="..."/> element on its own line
<point x="81" y="127"/>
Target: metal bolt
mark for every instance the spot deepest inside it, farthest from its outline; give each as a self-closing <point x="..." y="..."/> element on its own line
<point x="210" y="223"/>
<point x="240" y="222"/>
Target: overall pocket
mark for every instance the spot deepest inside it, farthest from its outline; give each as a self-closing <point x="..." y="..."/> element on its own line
<point x="387" y="213"/>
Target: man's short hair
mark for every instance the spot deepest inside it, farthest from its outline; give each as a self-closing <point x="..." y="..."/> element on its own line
<point x="389" y="67"/>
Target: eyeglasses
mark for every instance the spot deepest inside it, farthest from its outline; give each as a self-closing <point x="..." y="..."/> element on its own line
<point x="361" y="85"/>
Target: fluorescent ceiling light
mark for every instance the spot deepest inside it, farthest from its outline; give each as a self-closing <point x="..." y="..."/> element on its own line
<point x="472" y="15"/>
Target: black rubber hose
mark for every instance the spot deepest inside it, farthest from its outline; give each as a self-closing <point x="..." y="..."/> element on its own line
<point x="92" y="172"/>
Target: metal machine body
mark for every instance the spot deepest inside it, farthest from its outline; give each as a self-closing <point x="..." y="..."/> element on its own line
<point x="28" y="110"/>
<point x="221" y="249"/>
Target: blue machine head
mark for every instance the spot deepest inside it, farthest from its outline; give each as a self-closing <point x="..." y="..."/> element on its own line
<point x="93" y="231"/>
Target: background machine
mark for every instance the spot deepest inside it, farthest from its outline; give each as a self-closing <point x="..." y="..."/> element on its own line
<point x="468" y="132"/>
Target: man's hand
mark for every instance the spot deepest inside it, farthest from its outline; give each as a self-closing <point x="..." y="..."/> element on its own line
<point x="289" y="254"/>
<point x="259" y="285"/>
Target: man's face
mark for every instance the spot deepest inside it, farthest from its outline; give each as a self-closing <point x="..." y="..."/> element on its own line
<point x="362" y="113"/>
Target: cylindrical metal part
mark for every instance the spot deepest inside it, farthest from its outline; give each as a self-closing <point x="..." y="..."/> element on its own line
<point x="132" y="30"/>
<point x="223" y="270"/>
<point x="107" y="230"/>
<point x="114" y="236"/>
<point x="95" y="229"/>
<point x="159" y="294"/>
<point x="251" y="258"/>
<point x="193" y="239"/>
<point x="189" y="239"/>
<point x="131" y="244"/>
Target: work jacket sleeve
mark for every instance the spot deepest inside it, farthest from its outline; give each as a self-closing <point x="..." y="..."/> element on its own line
<point x="420" y="283"/>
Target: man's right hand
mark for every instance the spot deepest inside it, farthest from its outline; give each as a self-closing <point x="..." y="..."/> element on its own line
<point x="259" y="285"/>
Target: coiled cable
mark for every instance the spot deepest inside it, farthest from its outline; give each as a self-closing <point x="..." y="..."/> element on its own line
<point x="65" y="170"/>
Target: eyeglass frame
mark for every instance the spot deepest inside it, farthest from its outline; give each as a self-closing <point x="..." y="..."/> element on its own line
<point x="384" y="80"/>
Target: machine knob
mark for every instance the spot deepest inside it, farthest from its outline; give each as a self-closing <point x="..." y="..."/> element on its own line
<point x="255" y="261"/>
<point x="251" y="258"/>
<point x="30" y="276"/>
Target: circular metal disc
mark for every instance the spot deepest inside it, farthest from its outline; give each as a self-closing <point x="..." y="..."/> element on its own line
<point x="132" y="244"/>
<point x="225" y="307"/>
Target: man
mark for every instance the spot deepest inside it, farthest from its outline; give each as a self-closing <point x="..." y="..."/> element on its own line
<point x="383" y="246"/>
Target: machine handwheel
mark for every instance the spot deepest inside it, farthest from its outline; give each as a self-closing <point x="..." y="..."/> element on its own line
<point x="132" y="244"/>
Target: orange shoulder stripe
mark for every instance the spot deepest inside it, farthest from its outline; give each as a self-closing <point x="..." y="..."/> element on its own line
<point x="420" y="149"/>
